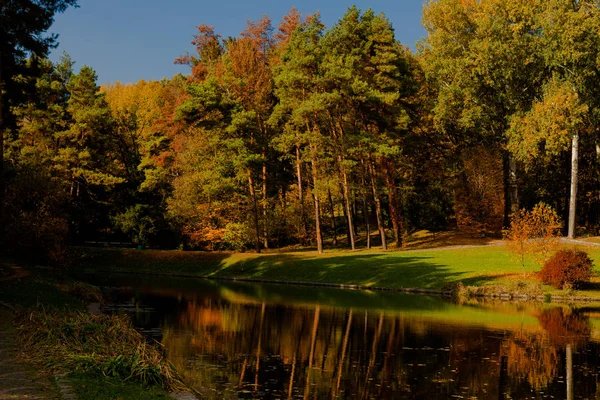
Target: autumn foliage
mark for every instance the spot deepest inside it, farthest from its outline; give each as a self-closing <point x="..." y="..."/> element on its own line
<point x="480" y="192"/>
<point x="567" y="269"/>
<point x="533" y="233"/>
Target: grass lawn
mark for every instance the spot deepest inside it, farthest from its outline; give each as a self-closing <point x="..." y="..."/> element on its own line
<point x="423" y="269"/>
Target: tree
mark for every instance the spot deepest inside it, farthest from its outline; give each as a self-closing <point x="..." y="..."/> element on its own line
<point x="87" y="147"/>
<point x="22" y="27"/>
<point x="296" y="81"/>
<point x="367" y="87"/>
<point x="483" y="59"/>
<point x="570" y="42"/>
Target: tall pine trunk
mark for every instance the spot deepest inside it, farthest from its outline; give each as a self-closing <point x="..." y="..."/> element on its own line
<point x="365" y="208"/>
<point x="346" y="193"/>
<point x="333" y="223"/>
<point x="574" y="178"/>
<point x="366" y="216"/>
<point x="345" y="212"/>
<point x="304" y="227"/>
<point x="378" y="208"/>
<point x="393" y="202"/>
<point x="319" y="235"/>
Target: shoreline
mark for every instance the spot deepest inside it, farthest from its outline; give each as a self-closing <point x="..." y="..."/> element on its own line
<point x="449" y="294"/>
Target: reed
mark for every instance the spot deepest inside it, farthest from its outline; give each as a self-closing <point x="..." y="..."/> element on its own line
<point x="98" y="344"/>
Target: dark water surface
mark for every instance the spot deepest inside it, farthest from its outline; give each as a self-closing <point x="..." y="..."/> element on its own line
<point x="238" y="340"/>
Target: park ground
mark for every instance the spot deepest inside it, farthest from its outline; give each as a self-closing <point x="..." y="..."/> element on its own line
<point x="430" y="262"/>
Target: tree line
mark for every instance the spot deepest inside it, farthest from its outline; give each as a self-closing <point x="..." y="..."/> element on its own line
<point x="310" y="135"/>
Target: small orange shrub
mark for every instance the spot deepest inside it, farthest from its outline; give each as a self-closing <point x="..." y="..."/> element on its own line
<point x="567" y="269"/>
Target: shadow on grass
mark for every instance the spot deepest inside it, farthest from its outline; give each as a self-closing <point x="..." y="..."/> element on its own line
<point x="371" y="270"/>
<point x="388" y="270"/>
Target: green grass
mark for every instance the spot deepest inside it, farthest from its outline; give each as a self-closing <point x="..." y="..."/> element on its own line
<point x="423" y="269"/>
<point x="94" y="387"/>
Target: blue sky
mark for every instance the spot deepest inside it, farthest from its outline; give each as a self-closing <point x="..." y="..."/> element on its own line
<point x="129" y="40"/>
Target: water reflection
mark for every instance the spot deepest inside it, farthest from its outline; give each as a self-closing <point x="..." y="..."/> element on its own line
<point x="245" y="341"/>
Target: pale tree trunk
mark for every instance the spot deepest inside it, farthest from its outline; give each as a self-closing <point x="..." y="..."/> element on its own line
<point x="378" y="208"/>
<point x="254" y="210"/>
<point x="574" y="178"/>
<point x="569" y="351"/>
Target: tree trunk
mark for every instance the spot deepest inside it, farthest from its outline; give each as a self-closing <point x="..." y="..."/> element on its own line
<point x="258" y="346"/>
<point x="304" y="227"/>
<point x="254" y="210"/>
<point x="1" y="149"/>
<point x="393" y="203"/>
<point x="574" y="178"/>
<point x="265" y="205"/>
<point x="513" y="184"/>
<point x="569" y="351"/>
<point x="378" y="208"/>
<point x="311" y="354"/>
<point x="366" y="216"/>
<point x="348" y="205"/>
<point x="333" y="223"/>
<point x="345" y="212"/>
<point x="373" y="357"/>
<point x="342" y="357"/>
<point x="313" y="163"/>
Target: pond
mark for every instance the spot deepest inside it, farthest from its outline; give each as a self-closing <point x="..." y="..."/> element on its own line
<point x="261" y="341"/>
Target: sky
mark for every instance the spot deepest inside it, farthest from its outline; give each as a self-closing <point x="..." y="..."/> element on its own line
<point x="129" y="40"/>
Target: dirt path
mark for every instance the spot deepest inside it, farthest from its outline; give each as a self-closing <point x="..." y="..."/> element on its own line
<point x="18" y="380"/>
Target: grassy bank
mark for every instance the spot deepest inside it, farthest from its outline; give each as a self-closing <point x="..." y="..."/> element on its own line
<point x="489" y="267"/>
<point x="104" y="357"/>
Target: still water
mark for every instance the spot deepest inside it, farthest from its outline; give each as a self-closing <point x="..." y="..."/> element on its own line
<point x="237" y="340"/>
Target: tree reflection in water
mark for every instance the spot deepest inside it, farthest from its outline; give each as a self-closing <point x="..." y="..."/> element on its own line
<point x="247" y="348"/>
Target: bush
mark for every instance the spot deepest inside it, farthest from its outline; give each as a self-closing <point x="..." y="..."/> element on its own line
<point x="567" y="269"/>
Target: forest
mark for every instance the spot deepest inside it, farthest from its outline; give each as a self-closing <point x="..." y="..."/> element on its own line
<point x="300" y="134"/>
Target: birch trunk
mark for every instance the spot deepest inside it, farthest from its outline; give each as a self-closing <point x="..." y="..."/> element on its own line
<point x="574" y="178"/>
